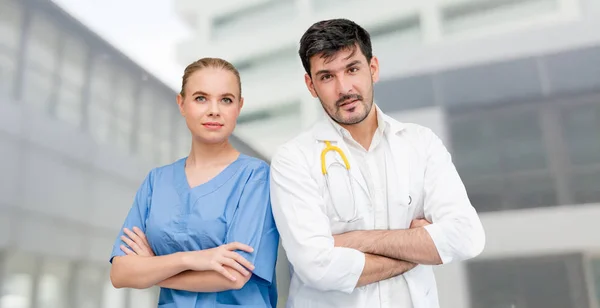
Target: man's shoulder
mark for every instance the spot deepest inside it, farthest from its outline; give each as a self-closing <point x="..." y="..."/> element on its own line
<point x="296" y="146"/>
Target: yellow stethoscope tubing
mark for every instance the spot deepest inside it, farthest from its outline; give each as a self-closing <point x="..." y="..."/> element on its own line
<point x="328" y="148"/>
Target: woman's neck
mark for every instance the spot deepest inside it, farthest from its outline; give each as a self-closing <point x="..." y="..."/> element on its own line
<point x="203" y="154"/>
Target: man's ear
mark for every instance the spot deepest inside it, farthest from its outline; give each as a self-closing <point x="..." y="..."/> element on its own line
<point x="310" y="85"/>
<point x="374" y="66"/>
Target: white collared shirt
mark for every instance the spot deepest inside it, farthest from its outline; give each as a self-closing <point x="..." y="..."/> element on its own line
<point x="376" y="165"/>
<point x="422" y="182"/>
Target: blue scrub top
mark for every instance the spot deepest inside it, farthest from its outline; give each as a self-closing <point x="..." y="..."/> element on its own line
<point x="234" y="206"/>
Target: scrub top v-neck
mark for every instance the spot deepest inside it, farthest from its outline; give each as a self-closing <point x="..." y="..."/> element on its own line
<point x="233" y="206"/>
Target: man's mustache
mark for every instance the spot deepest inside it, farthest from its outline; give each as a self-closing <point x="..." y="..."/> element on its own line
<point x="348" y="97"/>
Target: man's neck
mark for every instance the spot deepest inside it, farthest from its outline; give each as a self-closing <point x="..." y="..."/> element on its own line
<point x="364" y="131"/>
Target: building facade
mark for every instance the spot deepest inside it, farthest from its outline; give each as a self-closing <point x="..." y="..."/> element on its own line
<point x="513" y="89"/>
<point x="81" y="125"/>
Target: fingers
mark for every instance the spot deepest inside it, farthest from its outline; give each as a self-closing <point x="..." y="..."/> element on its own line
<point x="240" y="260"/>
<point x="139" y="239"/>
<point x="236" y="266"/>
<point x="126" y="250"/>
<point x="221" y="270"/>
<point x="134" y="237"/>
<point x="141" y="235"/>
<point x="239" y="246"/>
<point x="138" y="250"/>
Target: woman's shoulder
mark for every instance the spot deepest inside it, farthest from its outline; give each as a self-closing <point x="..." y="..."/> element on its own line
<point x="255" y="168"/>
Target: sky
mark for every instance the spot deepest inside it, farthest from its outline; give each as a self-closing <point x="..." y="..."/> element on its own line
<point x="147" y="31"/>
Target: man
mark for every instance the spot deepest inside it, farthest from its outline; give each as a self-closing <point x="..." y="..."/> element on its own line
<point x="364" y="222"/>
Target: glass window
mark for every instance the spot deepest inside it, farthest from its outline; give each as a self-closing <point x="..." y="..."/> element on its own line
<point x="165" y="112"/>
<point x="596" y="273"/>
<point x="88" y="292"/>
<point x="582" y="133"/>
<point x="73" y="65"/>
<point x="41" y="61"/>
<point x="585" y="185"/>
<point x="124" y="105"/>
<point x="249" y="18"/>
<point x="17" y="286"/>
<point x="530" y="191"/>
<point x="486" y="195"/>
<point x="123" y="133"/>
<point x="11" y="16"/>
<point x="469" y="15"/>
<point x="401" y="32"/>
<point x="69" y="105"/>
<point x="475" y="151"/>
<point x="146" y="147"/>
<point x="501" y="156"/>
<point x="184" y="139"/>
<point x="146" y="106"/>
<point x="113" y="298"/>
<point x="145" y="298"/>
<point x="10" y="33"/>
<point x="53" y="284"/>
<point x="521" y="141"/>
<point x="72" y="75"/>
<point x="38" y="88"/>
<point x="8" y="67"/>
<point x="533" y="282"/>
<point x="43" y="45"/>
<point x="101" y="98"/>
<point x="125" y="96"/>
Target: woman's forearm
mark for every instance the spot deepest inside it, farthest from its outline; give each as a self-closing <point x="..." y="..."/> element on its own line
<point x="206" y="281"/>
<point x="138" y="272"/>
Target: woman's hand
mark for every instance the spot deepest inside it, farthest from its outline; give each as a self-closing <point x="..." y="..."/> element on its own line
<point x="137" y="241"/>
<point x="215" y="259"/>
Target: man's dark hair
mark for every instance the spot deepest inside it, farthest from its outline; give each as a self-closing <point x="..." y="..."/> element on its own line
<point x="330" y="36"/>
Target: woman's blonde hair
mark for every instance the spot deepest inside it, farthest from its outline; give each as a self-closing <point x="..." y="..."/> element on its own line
<point x="209" y="63"/>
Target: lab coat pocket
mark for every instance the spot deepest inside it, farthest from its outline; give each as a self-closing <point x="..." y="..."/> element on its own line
<point x="346" y="200"/>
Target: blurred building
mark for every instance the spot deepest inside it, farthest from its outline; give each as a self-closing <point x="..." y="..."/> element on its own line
<point x="511" y="86"/>
<point x="80" y="127"/>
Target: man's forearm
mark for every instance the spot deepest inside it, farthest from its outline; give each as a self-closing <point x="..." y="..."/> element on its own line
<point x="413" y="245"/>
<point x="208" y="281"/>
<point x="378" y="268"/>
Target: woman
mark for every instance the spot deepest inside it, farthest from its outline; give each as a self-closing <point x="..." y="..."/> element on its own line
<point x="202" y="228"/>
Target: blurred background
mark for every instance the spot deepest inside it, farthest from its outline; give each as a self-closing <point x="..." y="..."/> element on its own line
<point x="87" y="108"/>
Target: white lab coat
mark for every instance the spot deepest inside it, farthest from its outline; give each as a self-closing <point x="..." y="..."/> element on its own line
<point x="429" y="186"/>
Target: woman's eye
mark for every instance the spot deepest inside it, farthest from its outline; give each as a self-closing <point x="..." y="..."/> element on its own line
<point x="227" y="100"/>
<point x="200" y="98"/>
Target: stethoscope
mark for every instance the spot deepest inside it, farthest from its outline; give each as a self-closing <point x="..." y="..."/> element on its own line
<point x="354" y="216"/>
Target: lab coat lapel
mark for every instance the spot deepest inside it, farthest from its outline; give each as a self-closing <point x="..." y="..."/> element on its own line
<point x="400" y="159"/>
<point x="325" y="131"/>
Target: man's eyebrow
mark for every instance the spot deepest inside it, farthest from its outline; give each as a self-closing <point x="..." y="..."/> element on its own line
<point x="349" y="65"/>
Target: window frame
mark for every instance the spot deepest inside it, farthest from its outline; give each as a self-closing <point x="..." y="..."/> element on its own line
<point x="550" y="114"/>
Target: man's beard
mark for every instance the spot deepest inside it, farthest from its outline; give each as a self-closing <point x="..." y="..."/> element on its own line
<point x="336" y="117"/>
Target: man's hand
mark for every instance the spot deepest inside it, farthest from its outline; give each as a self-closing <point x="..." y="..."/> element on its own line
<point x="418" y="223"/>
<point x="137" y="241"/>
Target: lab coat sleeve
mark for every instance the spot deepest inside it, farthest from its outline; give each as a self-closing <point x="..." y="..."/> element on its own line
<point x="456" y="228"/>
<point x="253" y="225"/>
<point x="136" y="216"/>
<point x="304" y="227"/>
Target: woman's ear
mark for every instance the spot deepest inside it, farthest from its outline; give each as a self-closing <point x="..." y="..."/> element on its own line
<point x="180" y="104"/>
